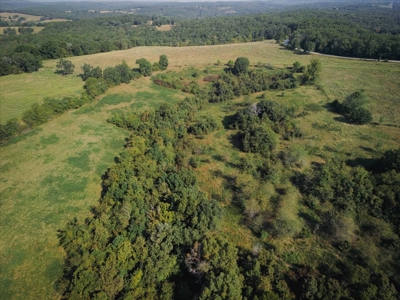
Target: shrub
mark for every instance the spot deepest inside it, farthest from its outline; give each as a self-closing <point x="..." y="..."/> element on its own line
<point x="65" y="67"/>
<point x="9" y="129"/>
<point x="259" y="140"/>
<point x="241" y="65"/>
<point x="360" y="116"/>
<point x="95" y="86"/>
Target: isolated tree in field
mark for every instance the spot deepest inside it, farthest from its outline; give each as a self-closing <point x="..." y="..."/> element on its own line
<point x="65" y="67"/>
<point x="163" y="62"/>
<point x="360" y="115"/>
<point x="312" y="72"/>
<point x="241" y="65"/>
<point x="145" y="67"/>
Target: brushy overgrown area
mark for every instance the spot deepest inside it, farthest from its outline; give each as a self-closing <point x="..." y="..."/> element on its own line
<point x="53" y="173"/>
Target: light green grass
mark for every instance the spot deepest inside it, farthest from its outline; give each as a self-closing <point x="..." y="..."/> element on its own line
<point x="18" y="92"/>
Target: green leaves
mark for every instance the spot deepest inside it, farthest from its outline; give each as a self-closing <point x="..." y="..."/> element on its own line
<point x="65" y="67"/>
<point x="163" y="62"/>
<point x="145" y="67"/>
<point x="241" y="65"/>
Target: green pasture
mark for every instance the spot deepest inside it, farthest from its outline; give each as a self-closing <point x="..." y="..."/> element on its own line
<point x="18" y="92"/>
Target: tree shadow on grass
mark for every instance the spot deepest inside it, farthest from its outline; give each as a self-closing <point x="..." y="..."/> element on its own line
<point x="330" y="107"/>
<point x="342" y="119"/>
<point x="367" y="163"/>
<point x="228" y="121"/>
<point x="236" y="141"/>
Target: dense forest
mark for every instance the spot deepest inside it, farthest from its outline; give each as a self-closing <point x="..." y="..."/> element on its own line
<point x="356" y="31"/>
<point x="157" y="235"/>
<point x="181" y="10"/>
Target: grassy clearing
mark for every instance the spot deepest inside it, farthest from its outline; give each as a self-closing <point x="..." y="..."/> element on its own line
<point x="52" y="174"/>
<point x="18" y="92"/>
<point x="164" y="27"/>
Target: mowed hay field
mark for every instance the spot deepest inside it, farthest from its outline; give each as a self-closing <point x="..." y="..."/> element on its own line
<point x="53" y="173"/>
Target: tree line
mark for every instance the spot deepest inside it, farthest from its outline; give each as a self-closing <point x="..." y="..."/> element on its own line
<point x="367" y="33"/>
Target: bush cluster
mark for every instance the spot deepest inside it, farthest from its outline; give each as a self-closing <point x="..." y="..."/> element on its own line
<point x="353" y="108"/>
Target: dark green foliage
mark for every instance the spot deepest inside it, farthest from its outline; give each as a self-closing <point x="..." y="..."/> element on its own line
<point x="32" y="49"/>
<point x="140" y="249"/>
<point x="297" y="68"/>
<point x="270" y="113"/>
<point x="309" y="46"/>
<point x="352" y="102"/>
<point x="95" y="86"/>
<point x="124" y="71"/>
<point x="89" y="71"/>
<point x="6" y="68"/>
<point x="9" y="31"/>
<point x="360" y="116"/>
<point x="204" y="127"/>
<point x="50" y="49"/>
<point x="163" y="62"/>
<point x="241" y="65"/>
<point x="312" y="72"/>
<point x="25" y="30"/>
<point x="259" y="140"/>
<point x="227" y="86"/>
<point x="390" y="160"/>
<point x="352" y="108"/>
<point x="65" y="67"/>
<point x="145" y="67"/>
<point x="112" y="76"/>
<point x="9" y="129"/>
<point x="26" y="62"/>
<point x="41" y="113"/>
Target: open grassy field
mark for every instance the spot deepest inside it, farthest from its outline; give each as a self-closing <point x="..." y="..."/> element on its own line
<point x="53" y="173"/>
<point x="18" y="92"/>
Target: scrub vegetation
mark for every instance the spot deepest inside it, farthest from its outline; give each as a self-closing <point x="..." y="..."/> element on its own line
<point x="237" y="171"/>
